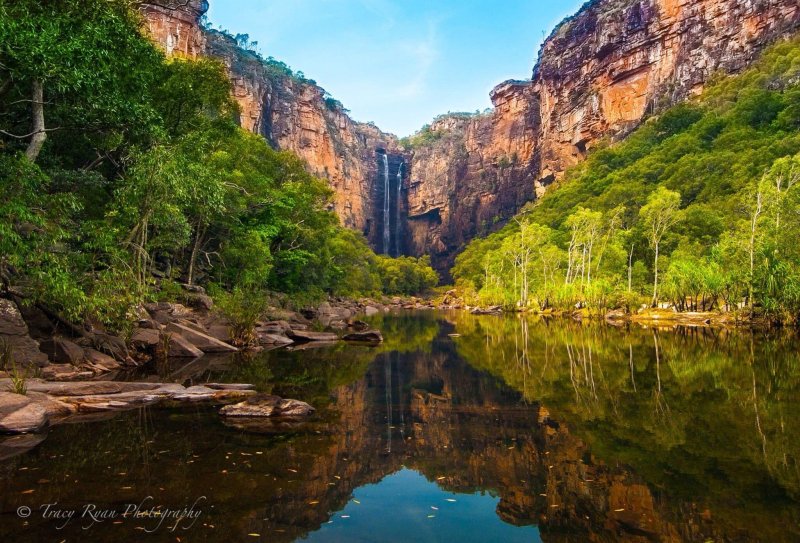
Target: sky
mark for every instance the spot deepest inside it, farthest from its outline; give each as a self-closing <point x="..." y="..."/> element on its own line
<point x="399" y="63"/>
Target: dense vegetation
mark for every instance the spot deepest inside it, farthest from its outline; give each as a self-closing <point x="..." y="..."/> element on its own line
<point x="124" y="173"/>
<point x="697" y="208"/>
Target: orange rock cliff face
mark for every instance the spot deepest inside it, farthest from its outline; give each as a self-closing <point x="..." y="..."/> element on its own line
<point x="599" y="74"/>
<point x="295" y="114"/>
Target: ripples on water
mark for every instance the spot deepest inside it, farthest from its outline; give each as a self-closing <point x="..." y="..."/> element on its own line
<point x="516" y="430"/>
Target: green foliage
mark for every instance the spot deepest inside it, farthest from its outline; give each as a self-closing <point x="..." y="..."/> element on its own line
<point x="149" y="175"/>
<point x="243" y="307"/>
<point x="422" y="137"/>
<point x="715" y="179"/>
<point x="406" y="274"/>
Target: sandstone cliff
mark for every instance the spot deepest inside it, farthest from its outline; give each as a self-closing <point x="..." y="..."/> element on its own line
<point x="294" y="113"/>
<point x="175" y="26"/>
<point x="599" y="74"/>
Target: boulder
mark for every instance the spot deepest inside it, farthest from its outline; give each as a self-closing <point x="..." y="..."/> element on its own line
<point x="274" y="327"/>
<point x="306" y="335"/>
<point x="63" y="351"/>
<point x="371" y="310"/>
<point x="111" y="345"/>
<point x="20" y="415"/>
<point x="145" y="339"/>
<point x="357" y="325"/>
<point x="162" y="317"/>
<point x="369" y="336"/>
<point x="150" y="323"/>
<point x="14" y="332"/>
<point x="266" y="405"/>
<point x="221" y="332"/>
<point x="96" y="358"/>
<point x="273" y="339"/>
<point x="202" y="341"/>
<point x="180" y="347"/>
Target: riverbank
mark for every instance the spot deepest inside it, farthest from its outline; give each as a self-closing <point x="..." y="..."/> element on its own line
<point x="644" y="315"/>
<point x="35" y="342"/>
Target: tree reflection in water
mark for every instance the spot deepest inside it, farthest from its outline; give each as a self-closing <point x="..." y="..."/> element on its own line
<point x="587" y="431"/>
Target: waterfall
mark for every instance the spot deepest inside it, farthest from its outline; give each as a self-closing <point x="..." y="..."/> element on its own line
<point x="397" y="210"/>
<point x="386" y="229"/>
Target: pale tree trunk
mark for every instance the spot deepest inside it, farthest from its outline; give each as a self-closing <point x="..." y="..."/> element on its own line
<point x="655" y="279"/>
<point x="630" y="268"/>
<point x="752" y="248"/>
<point x="38" y="134"/>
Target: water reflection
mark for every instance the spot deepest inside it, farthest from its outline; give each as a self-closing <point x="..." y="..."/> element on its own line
<point x="559" y="430"/>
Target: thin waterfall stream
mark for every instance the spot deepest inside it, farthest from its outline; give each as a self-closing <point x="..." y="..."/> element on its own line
<point x="386" y="227"/>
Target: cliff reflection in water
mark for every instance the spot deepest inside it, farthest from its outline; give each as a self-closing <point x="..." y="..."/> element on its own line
<point x="586" y="431"/>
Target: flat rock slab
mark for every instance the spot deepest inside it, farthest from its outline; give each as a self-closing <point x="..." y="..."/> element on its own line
<point x="274" y="339"/>
<point x="20" y="415"/>
<point x="267" y="405"/>
<point x="202" y="341"/>
<point x="369" y="336"/>
<point x="65" y="372"/>
<point x="87" y="388"/>
<point x="306" y="335"/>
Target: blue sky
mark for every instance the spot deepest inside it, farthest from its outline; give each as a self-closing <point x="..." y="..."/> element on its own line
<point x="400" y="63"/>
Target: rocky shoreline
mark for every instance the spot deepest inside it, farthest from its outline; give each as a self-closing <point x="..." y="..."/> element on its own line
<point x="644" y="315"/>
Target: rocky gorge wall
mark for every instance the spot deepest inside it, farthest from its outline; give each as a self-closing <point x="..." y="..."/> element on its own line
<point x="295" y="114"/>
<point x="599" y="74"/>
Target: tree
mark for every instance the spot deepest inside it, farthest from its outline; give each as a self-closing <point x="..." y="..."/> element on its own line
<point x="83" y="61"/>
<point x="659" y="214"/>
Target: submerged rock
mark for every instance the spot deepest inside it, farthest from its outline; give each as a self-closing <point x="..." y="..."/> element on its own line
<point x="16" y="445"/>
<point x="267" y="405"/>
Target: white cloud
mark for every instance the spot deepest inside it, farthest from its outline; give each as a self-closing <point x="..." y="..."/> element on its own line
<point x="423" y="54"/>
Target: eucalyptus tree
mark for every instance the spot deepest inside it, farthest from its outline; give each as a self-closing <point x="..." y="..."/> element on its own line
<point x="659" y="215"/>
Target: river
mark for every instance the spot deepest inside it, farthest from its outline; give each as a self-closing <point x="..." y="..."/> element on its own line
<point x="457" y="428"/>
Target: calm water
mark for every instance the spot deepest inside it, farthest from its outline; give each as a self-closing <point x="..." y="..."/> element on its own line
<point x="458" y="428"/>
